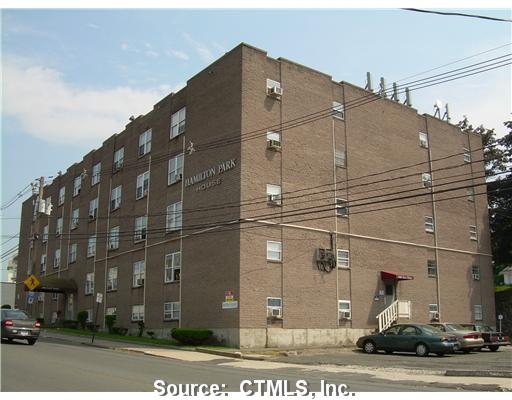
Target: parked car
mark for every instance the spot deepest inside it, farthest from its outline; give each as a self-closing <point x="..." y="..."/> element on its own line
<point x="17" y="324"/>
<point x="468" y="339"/>
<point x="492" y="339"/>
<point x="416" y="338"/>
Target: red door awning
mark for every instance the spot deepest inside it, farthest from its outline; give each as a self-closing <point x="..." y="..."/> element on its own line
<point x="395" y="276"/>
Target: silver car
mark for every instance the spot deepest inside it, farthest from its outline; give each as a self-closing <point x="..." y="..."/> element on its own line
<point x="468" y="339"/>
<point x="17" y="324"/>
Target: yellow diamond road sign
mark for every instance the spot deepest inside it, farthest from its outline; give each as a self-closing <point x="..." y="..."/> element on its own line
<point x="31" y="282"/>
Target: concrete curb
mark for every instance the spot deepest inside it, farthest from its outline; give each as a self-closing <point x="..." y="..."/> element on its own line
<point x="485" y="374"/>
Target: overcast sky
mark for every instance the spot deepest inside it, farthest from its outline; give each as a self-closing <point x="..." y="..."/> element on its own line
<point x="71" y="78"/>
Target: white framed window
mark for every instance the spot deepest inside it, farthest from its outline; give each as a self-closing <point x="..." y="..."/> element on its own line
<point x="426" y="179"/>
<point x="423" y="140"/>
<point x="431" y="268"/>
<point x="338" y="110"/>
<point x="274" y="89"/>
<point x="471" y="194"/>
<point x="77" y="185"/>
<point x="96" y="174"/>
<point x="172" y="310"/>
<point x="175" y="169"/>
<point x="89" y="315"/>
<point x="75" y="218"/>
<point x="40" y="297"/>
<point x="274" y="307"/>
<point x="72" y="252"/>
<point x="139" y="271"/>
<point x="45" y="233"/>
<point x="344" y="309"/>
<point x="174" y="217"/>
<point x="475" y="272"/>
<point x="59" y="227"/>
<point x="173" y="267"/>
<point x="138" y="312"/>
<point x="274" y="140"/>
<point x="91" y="246"/>
<point x="340" y="158"/>
<point x="115" y="198"/>
<point x="473" y="235"/>
<point x="178" y="122"/>
<point x="48" y="206"/>
<point x="112" y="279"/>
<point x="429" y="224"/>
<point x="55" y="297"/>
<point x="93" y="209"/>
<point x="478" y="312"/>
<point x="274" y="251"/>
<point x="111" y="311"/>
<point x="341" y="208"/>
<point x="43" y="263"/>
<point x="274" y="194"/>
<point x="343" y="258"/>
<point x="118" y="159"/>
<point x="141" y="225"/>
<point x="142" y="185"/>
<point x="433" y="312"/>
<point x="89" y="283"/>
<point x="113" y="238"/>
<point x="62" y="195"/>
<point x="145" y="142"/>
<point x="56" y="259"/>
<point x="466" y="155"/>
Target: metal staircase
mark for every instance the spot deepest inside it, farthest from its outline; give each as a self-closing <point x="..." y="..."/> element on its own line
<point x="399" y="309"/>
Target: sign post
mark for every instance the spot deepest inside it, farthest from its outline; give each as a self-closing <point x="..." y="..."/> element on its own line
<point x="99" y="300"/>
<point x="500" y="317"/>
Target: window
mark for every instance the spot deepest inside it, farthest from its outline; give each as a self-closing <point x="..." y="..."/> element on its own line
<point x="89" y="283"/>
<point x="338" y="110"/>
<point x="118" y="159"/>
<point x="93" y="209"/>
<point x="423" y="140"/>
<point x="433" y="312"/>
<point x="145" y="142"/>
<point x="174" y="217"/>
<point x="60" y="225"/>
<point x="472" y="232"/>
<point x="62" y="195"/>
<point x="138" y="273"/>
<point x="274" y="307"/>
<point x="178" y="122"/>
<point x="274" y="251"/>
<point x="45" y="233"/>
<point x="141" y="224"/>
<point x="429" y="224"/>
<point x="142" y="185"/>
<point x="175" y="169"/>
<point x="478" y="312"/>
<point x="72" y="253"/>
<point x="467" y="155"/>
<point x="426" y="179"/>
<point x="341" y="208"/>
<point x="40" y="297"/>
<point x="55" y="297"/>
<point x="274" y="89"/>
<point x="274" y="140"/>
<point x="75" y="217"/>
<point x="48" y="206"/>
<point x="344" y="309"/>
<point x="115" y="200"/>
<point x="96" y="174"/>
<point x="475" y="272"/>
<point x="343" y="258"/>
<point x="138" y="312"/>
<point x="89" y="315"/>
<point x="43" y="263"/>
<point x="339" y="158"/>
<point x="77" y="185"/>
<point x="112" y="279"/>
<point x="274" y="194"/>
<point x="91" y="246"/>
<point x="172" y="267"/>
<point x="471" y="194"/>
<point x="56" y="259"/>
<point x="431" y="268"/>
<point x="111" y="311"/>
<point x="113" y="238"/>
<point x="172" y="310"/>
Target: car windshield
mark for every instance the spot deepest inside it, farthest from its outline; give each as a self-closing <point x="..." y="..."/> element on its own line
<point x="485" y="328"/>
<point x="455" y="327"/>
<point x="14" y="314"/>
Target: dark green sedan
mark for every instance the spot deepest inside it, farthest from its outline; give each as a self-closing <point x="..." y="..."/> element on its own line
<point x="412" y="338"/>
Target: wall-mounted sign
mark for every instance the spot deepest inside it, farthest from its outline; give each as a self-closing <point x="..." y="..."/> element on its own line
<point x="229" y="305"/>
<point x="210" y="177"/>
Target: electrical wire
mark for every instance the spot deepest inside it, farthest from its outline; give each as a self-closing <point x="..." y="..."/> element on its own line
<point x="457" y="14"/>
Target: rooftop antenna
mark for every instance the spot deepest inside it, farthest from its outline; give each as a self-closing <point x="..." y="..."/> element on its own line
<point x="446" y="113"/>
<point x="395" y="92"/>
<point x="407" y="101"/>
<point x="437" y="108"/>
<point x="132" y="118"/>
<point x="369" y="85"/>
<point x="382" y="90"/>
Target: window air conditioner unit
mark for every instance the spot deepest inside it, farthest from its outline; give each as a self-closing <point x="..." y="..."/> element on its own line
<point x="140" y="282"/>
<point x="434" y="315"/>
<point x="274" y="312"/>
<point x="476" y="277"/>
<point x="181" y="128"/>
<point x="274" y="199"/>
<point x="92" y="216"/>
<point x="274" y="145"/>
<point x="179" y="177"/>
<point x="424" y="144"/>
<point x="275" y="91"/>
<point x="117" y="166"/>
<point x="345" y="315"/>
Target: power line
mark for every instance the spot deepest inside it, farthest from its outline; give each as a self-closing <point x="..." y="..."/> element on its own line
<point x="457" y="14"/>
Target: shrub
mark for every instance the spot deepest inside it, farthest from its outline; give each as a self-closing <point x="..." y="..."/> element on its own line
<point x="6" y="306"/>
<point x="110" y="320"/>
<point x="82" y="318"/>
<point x="70" y="323"/>
<point x="141" y="327"/>
<point x="151" y="334"/>
<point x="116" y="330"/>
<point x="194" y="337"/>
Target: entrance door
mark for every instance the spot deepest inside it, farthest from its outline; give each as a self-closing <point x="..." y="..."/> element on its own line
<point x="389" y="291"/>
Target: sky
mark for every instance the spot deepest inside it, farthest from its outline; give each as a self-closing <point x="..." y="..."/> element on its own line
<point x="71" y="78"/>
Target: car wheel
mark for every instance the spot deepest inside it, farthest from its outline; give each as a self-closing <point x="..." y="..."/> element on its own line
<point x="31" y="341"/>
<point x="466" y="351"/>
<point x="369" y="347"/>
<point x="494" y="348"/>
<point x="422" y="350"/>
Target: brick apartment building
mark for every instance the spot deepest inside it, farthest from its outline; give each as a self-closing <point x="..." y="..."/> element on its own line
<point x="271" y="204"/>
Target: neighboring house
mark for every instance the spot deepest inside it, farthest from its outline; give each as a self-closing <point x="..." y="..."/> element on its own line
<point x="507" y="275"/>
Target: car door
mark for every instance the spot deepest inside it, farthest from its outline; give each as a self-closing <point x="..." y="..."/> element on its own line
<point x="389" y="339"/>
<point x="408" y="335"/>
